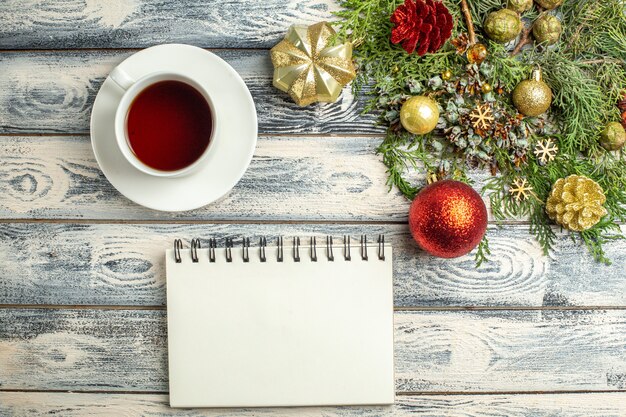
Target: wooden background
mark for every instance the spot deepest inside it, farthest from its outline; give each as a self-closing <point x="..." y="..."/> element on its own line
<point x="82" y="298"/>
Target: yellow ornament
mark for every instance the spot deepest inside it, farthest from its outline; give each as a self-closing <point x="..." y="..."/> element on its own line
<point x="576" y="203"/>
<point x="476" y="53"/>
<point x="308" y="68"/>
<point x="446" y="75"/>
<point x="613" y="137"/>
<point x="532" y="97"/>
<point x="486" y="88"/>
<point x="549" y="4"/>
<point x="419" y="115"/>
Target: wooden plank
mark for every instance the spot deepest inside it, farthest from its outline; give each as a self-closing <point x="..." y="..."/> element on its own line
<point x="53" y="92"/>
<point x="122" y="264"/>
<point x="33" y="404"/>
<point x="140" y="23"/>
<point x="435" y="351"/>
<point x="289" y="179"/>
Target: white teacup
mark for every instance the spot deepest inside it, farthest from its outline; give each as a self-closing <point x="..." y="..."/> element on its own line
<point x="132" y="89"/>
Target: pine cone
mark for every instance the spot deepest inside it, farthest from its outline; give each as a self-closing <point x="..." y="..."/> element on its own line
<point x="576" y="202"/>
<point x="426" y="23"/>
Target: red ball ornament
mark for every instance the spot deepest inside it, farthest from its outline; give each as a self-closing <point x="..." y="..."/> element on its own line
<point x="448" y="219"/>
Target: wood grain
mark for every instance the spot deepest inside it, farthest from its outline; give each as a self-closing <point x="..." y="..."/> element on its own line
<point x="139" y="23"/>
<point x="289" y="179"/>
<point x="53" y="92"/>
<point x="34" y="404"/>
<point x="122" y="264"/>
<point x="463" y="351"/>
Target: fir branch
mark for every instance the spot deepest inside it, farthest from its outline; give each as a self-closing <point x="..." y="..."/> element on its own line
<point x="586" y="71"/>
<point x="580" y="101"/>
<point x="482" y="252"/>
<point x="597" y="236"/>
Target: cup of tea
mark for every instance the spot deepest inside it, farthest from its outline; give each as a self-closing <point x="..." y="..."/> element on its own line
<point x="165" y="123"/>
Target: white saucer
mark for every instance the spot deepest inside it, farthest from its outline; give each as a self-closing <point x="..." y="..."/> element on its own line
<point x="237" y="124"/>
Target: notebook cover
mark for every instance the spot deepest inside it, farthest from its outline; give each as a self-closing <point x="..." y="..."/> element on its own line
<point x="279" y="334"/>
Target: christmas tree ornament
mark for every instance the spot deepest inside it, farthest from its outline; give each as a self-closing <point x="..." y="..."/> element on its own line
<point x="532" y="97"/>
<point x="486" y="88"/>
<point x="448" y="219"/>
<point x="308" y="67"/>
<point x="482" y="117"/>
<point x="547" y="29"/>
<point x="549" y="4"/>
<point x="520" y="189"/>
<point x="476" y="53"/>
<point x="546" y="150"/>
<point x="503" y="25"/>
<point x="424" y="25"/>
<point x="446" y="75"/>
<point x="419" y="115"/>
<point x="575" y="203"/>
<point x="613" y="136"/>
<point x="519" y="6"/>
<point x="431" y="177"/>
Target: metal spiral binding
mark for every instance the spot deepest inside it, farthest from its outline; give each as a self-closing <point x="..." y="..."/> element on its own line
<point x="178" y="245"/>
<point x="296" y="249"/>
<point x="329" y="248"/>
<point x="381" y="247"/>
<point x="279" y="258"/>
<point x="364" y="247"/>
<point x="313" y="249"/>
<point x="262" y="245"/>
<point x="212" y="246"/>
<point x="195" y="245"/>
<point x="246" y="249"/>
<point x="228" y="247"/>
<point x="346" y="248"/>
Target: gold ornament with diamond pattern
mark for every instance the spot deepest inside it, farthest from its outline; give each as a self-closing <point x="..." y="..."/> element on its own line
<point x="576" y="203"/>
<point x="308" y="68"/>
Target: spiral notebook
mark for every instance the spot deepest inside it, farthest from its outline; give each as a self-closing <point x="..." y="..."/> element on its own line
<point x="281" y="323"/>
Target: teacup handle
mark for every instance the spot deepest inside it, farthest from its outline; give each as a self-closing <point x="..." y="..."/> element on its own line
<point x="121" y="78"/>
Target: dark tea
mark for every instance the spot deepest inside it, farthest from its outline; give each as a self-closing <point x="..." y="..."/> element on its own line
<point x="169" y="125"/>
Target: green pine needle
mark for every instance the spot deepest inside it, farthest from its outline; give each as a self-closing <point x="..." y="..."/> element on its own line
<point x="586" y="71"/>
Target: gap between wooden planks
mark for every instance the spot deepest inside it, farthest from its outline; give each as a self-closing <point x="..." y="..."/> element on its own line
<point x="398" y="393"/>
<point x="396" y="308"/>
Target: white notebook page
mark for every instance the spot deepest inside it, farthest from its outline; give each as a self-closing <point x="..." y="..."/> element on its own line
<point x="280" y="334"/>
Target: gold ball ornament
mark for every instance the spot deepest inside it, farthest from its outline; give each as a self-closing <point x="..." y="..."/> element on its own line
<point x="575" y="203"/>
<point x="549" y="4"/>
<point x="476" y="53"/>
<point x="419" y="115"/>
<point x="486" y="88"/>
<point x="547" y="29"/>
<point x="519" y="6"/>
<point x="613" y="136"/>
<point x="503" y="25"/>
<point x="532" y="97"/>
<point x="446" y="75"/>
